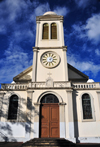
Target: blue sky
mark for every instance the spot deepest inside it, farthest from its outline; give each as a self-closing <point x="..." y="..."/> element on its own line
<point x="18" y="30"/>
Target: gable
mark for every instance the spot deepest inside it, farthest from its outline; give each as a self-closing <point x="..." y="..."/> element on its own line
<point x="75" y="75"/>
<point x="24" y="76"/>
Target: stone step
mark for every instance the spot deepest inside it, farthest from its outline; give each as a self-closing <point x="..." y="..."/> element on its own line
<point x="52" y="146"/>
<point x="48" y="142"/>
<point x="10" y="144"/>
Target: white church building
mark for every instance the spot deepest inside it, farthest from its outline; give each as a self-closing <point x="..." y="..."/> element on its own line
<point x="50" y="99"/>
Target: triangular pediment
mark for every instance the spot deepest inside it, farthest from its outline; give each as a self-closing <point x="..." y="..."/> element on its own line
<point x="75" y="75"/>
<point x="24" y="76"/>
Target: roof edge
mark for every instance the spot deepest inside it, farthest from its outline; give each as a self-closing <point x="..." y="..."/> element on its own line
<point x="22" y="73"/>
<point x="79" y="72"/>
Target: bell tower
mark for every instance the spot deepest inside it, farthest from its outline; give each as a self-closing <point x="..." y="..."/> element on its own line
<point x="49" y="58"/>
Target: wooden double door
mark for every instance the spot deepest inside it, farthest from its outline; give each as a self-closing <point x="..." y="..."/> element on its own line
<point x="49" y="121"/>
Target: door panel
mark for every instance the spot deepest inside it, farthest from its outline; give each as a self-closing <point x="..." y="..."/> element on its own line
<point x="50" y="120"/>
<point x="54" y="121"/>
<point x="44" y="121"/>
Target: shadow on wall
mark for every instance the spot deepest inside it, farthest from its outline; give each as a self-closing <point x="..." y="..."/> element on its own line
<point x="22" y="125"/>
<point x="76" y="131"/>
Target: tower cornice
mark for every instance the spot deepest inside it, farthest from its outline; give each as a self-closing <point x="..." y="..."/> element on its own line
<point x="38" y="48"/>
<point x="49" y="18"/>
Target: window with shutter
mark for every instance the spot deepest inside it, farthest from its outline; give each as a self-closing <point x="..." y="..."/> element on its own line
<point x="53" y="31"/>
<point x="86" y="105"/>
<point x="45" y="31"/>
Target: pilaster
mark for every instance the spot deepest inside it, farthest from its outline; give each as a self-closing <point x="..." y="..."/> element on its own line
<point x="34" y="72"/>
<point x="1" y="103"/>
<point x="62" y="120"/>
<point x="98" y="93"/>
<point x="36" y="119"/>
<point x="65" y="63"/>
<point x="37" y="33"/>
<point x="70" y="117"/>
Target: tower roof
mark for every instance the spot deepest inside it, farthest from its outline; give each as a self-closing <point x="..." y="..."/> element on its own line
<point x="50" y="13"/>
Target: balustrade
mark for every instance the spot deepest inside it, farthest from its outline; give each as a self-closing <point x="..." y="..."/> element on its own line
<point x="86" y="85"/>
<point x="55" y="85"/>
<point x="14" y="86"/>
<point x="35" y="85"/>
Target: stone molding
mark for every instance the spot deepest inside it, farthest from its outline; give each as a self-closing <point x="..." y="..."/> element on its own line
<point x="37" y="103"/>
<point x="49" y="18"/>
<point x="59" y="47"/>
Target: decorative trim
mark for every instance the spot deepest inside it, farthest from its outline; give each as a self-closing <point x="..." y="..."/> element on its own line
<point x="49" y="17"/>
<point x="35" y="49"/>
<point x="69" y="90"/>
<point x="50" y="92"/>
<point x="62" y="103"/>
<point x="48" y="64"/>
<point x="98" y="91"/>
<point x="49" y="82"/>
<point x="37" y="103"/>
<point x="59" y="47"/>
<point x="64" y="48"/>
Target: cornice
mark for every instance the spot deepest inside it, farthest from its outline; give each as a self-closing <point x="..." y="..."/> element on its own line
<point x="49" y="18"/>
<point x="59" y="47"/>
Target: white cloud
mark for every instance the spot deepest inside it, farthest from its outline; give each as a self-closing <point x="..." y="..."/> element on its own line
<point x="84" y="66"/>
<point x="61" y="10"/>
<point x="97" y="51"/>
<point x="18" y="24"/>
<point x="14" y="62"/>
<point x="41" y="9"/>
<point x="91" y="30"/>
<point x="83" y="3"/>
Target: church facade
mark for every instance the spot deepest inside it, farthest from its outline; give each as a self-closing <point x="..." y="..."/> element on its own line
<point x="50" y="99"/>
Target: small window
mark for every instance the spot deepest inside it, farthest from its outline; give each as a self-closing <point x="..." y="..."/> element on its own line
<point x="86" y="105"/>
<point x="53" y="31"/>
<point x="13" y="106"/>
<point x="45" y="31"/>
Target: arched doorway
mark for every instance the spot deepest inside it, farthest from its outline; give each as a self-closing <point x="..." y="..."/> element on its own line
<point x="49" y="116"/>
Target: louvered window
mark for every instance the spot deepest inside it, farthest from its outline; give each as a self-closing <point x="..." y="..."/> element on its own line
<point x="45" y="31"/>
<point x="53" y="31"/>
<point x="13" y="106"/>
<point x="86" y="104"/>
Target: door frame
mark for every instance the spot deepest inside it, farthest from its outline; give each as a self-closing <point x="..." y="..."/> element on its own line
<point x="49" y="124"/>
